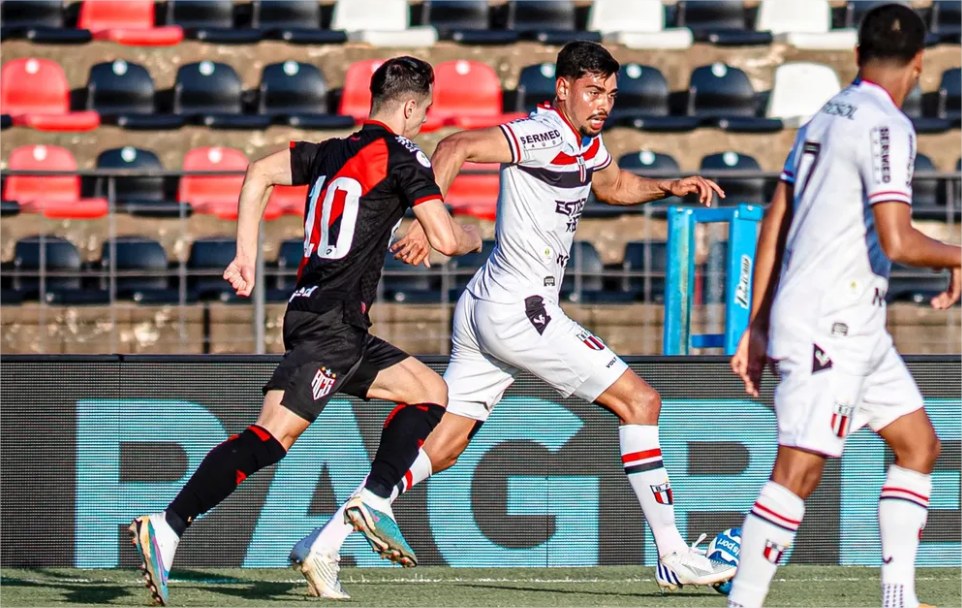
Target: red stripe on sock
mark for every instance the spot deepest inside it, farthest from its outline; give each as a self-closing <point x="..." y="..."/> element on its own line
<point x="909" y="492"/>
<point x="792" y="522"/>
<point x="640" y="455"/>
<point x="408" y="481"/>
<point x="261" y="433"/>
<point x="390" y="417"/>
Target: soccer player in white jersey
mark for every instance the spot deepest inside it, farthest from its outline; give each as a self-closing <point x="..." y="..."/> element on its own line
<point x="508" y="319"/>
<point x="840" y="215"/>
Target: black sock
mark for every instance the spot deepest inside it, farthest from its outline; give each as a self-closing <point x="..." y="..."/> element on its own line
<point x="223" y="469"/>
<point x="405" y="429"/>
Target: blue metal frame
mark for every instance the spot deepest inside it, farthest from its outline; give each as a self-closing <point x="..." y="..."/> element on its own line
<point x="679" y="287"/>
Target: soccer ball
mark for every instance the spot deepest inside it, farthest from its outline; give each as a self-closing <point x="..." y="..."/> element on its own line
<point x="726" y="547"/>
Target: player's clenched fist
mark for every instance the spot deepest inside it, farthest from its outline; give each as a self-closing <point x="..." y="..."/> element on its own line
<point x="705" y="189"/>
<point x="240" y="275"/>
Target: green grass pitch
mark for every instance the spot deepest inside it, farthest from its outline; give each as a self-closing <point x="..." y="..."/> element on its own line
<point x="805" y="586"/>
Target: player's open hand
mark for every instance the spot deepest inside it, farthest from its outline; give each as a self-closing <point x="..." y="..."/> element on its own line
<point x="705" y="189"/>
<point x="749" y="359"/>
<point x="240" y="275"/>
<point x="413" y="248"/>
<point x="951" y="295"/>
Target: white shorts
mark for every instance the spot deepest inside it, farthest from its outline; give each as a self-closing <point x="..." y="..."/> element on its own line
<point x="491" y="342"/>
<point x="825" y="394"/>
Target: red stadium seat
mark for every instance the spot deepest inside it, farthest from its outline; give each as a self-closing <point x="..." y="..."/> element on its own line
<point x="468" y="94"/>
<point x="356" y="95"/>
<point x="129" y="22"/>
<point x="474" y="191"/>
<point x="35" y="93"/>
<point x="53" y="196"/>
<point x="215" y="194"/>
<point x="287" y="200"/>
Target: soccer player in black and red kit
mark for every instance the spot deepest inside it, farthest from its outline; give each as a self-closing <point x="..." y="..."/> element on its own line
<point x="360" y="188"/>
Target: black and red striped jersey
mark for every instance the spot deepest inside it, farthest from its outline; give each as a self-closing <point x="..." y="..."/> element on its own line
<point x="360" y="187"/>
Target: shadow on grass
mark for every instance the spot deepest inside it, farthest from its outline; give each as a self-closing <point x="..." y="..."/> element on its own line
<point x="569" y="591"/>
<point x="256" y="590"/>
<point x="72" y="592"/>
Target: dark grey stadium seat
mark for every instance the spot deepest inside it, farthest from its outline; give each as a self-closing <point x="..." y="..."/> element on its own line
<point x="722" y="96"/>
<point x="925" y="198"/>
<point x="294" y="21"/>
<point x="123" y="94"/>
<point x="946" y="20"/>
<point x="912" y="284"/>
<point x="410" y="284"/>
<point x="950" y="94"/>
<point x="284" y="270"/>
<point x="586" y="261"/>
<point x="643" y="101"/>
<point x="464" y="21"/>
<point x="39" y="21"/>
<point x="536" y="84"/>
<point x="209" y="93"/>
<point x="209" y="21"/>
<point x="58" y="260"/>
<point x="737" y="190"/>
<point x="142" y="196"/>
<point x="547" y="21"/>
<point x="648" y="163"/>
<point x="295" y="94"/>
<point x="647" y="261"/>
<point x="914" y="108"/>
<point x="205" y="267"/>
<point x="142" y="270"/>
<point x="464" y="266"/>
<point x="721" y="22"/>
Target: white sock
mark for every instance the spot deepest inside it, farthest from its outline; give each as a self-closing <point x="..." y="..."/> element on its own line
<point x="641" y="457"/>
<point x="332" y="536"/>
<point x="769" y="530"/>
<point x="903" y="508"/>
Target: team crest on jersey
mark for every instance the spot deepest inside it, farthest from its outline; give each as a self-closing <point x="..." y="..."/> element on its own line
<point x="842" y="418"/>
<point x="773" y="551"/>
<point x="591" y="341"/>
<point x="662" y="493"/>
<point x="323" y="383"/>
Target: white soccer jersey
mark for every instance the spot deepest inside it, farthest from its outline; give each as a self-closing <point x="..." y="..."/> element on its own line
<point x="857" y="151"/>
<point x="543" y="192"/>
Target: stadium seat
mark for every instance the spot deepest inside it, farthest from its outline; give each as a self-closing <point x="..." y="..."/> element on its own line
<point x="465" y="266"/>
<point x="287" y="200"/>
<point x="54" y="196"/>
<point x="913" y="284"/>
<point x="289" y="256"/>
<point x="474" y="191"/>
<point x="39" y="21"/>
<point x="804" y="25"/>
<point x="800" y="89"/>
<point x="44" y="265"/>
<point x="721" y="22"/>
<point x="209" y="21"/>
<point x="636" y="24"/>
<point x="468" y="94"/>
<point x="645" y="264"/>
<point x="129" y="22"/>
<point x="380" y="23"/>
<point x="122" y="94"/>
<point x="356" y="94"/>
<point x="656" y="165"/>
<point x="546" y="21"/>
<point x="914" y="107"/>
<point x="205" y="268"/>
<point x="643" y="101"/>
<point x="583" y="279"/>
<point x="946" y="20"/>
<point x="295" y="94"/>
<point x="213" y="194"/>
<point x="925" y="192"/>
<point x="142" y="270"/>
<point x="737" y="189"/>
<point x="855" y="10"/>
<point x="9" y="208"/>
<point x="35" y="93"/>
<point x="209" y="93"/>
<point x="464" y="21"/>
<point x="536" y="84"/>
<point x="142" y="195"/>
<point x="294" y="21"/>
<point x="722" y="96"/>
<point x="410" y="284"/>
<point x="950" y="94"/>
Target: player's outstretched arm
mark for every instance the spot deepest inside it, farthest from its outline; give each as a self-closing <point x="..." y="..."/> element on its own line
<point x="478" y="146"/>
<point x="749" y="359"/>
<point x="262" y="175"/>
<point x="904" y="244"/>
<point x="616" y="186"/>
<point x="443" y="233"/>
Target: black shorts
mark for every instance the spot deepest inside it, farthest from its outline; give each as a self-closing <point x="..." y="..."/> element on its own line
<point x="325" y="355"/>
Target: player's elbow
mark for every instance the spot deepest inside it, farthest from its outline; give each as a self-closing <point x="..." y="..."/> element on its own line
<point x="894" y="247"/>
<point x="449" y="147"/>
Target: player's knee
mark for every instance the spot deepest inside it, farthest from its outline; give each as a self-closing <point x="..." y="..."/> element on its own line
<point x="799" y="478"/>
<point x="921" y="456"/>
<point x="434" y="389"/>
<point x="643" y="407"/>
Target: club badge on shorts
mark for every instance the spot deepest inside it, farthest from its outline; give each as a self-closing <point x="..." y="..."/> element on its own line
<point x="323" y="383"/>
<point x="842" y="418"/>
<point x="591" y="341"/>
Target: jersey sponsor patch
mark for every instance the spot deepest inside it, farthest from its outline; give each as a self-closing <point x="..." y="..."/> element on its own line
<point x="881" y="155"/>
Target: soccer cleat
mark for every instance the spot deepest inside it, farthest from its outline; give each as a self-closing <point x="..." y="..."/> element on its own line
<point x="156" y="542"/>
<point x="691" y="567"/>
<point x="381" y="532"/>
<point x="320" y="568"/>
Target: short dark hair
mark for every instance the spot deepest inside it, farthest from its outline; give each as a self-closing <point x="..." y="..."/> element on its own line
<point x="399" y="76"/>
<point x="890" y="33"/>
<point x="582" y="57"/>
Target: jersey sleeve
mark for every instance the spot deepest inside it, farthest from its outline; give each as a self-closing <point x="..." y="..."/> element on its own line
<point x="888" y="167"/>
<point x="303" y="156"/>
<point x="414" y="175"/>
<point x="791" y="162"/>
<point x="602" y="157"/>
<point x="532" y="142"/>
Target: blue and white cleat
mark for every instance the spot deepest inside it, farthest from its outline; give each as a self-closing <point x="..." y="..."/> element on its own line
<point x="320" y="568"/>
<point x="156" y="542"/>
<point x="379" y="528"/>
<point x="691" y="567"/>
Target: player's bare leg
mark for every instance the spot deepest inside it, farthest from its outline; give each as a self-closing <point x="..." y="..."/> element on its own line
<point x="638" y="405"/>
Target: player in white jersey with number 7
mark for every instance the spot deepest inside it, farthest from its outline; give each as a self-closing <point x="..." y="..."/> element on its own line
<point x="840" y="215"/>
